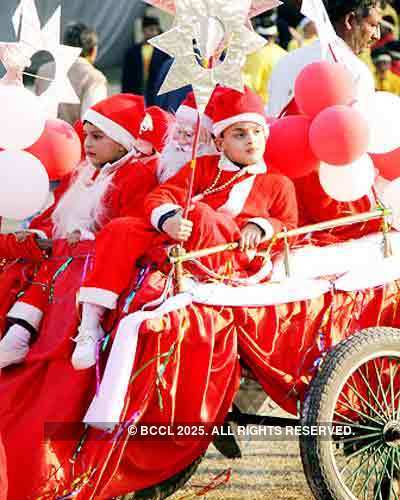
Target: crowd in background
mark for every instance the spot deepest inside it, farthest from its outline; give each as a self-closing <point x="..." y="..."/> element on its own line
<point x="145" y="67"/>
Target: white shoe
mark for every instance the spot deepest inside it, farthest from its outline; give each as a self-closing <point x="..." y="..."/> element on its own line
<point x="84" y="355"/>
<point x="14" y="346"/>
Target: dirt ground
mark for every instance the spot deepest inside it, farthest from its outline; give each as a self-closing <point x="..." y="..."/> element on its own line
<point x="267" y="471"/>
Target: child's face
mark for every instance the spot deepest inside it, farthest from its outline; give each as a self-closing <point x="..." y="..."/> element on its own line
<point x="243" y="143"/>
<point x="99" y="148"/>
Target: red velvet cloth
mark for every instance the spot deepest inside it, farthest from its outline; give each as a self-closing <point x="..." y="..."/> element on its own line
<point x="280" y="343"/>
<point x="11" y="249"/>
<point x="3" y="473"/>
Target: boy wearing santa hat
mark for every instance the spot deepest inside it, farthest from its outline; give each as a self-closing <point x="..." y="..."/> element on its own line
<point x="122" y="139"/>
<point x="234" y="199"/>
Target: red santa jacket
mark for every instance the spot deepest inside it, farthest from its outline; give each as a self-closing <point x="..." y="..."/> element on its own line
<point x="124" y="196"/>
<point x="316" y="206"/>
<point x="249" y="195"/>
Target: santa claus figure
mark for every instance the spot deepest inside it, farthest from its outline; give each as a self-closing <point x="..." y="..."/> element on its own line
<point x="178" y="150"/>
<point x="234" y="199"/>
<point x="122" y="141"/>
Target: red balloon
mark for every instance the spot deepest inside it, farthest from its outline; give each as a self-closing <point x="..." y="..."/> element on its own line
<point x="58" y="148"/>
<point x="388" y="164"/>
<point x="339" y="135"/>
<point x="321" y="85"/>
<point x="288" y="149"/>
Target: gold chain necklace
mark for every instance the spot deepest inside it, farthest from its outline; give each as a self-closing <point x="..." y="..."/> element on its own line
<point x="213" y="189"/>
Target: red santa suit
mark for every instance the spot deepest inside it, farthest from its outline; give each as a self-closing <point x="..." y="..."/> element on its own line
<point x="317" y="206"/>
<point x="225" y="199"/>
<point x="90" y="198"/>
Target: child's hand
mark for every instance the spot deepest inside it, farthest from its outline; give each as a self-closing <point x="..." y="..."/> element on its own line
<point x="73" y="238"/>
<point x="178" y="228"/>
<point x="250" y="237"/>
<point x="22" y="235"/>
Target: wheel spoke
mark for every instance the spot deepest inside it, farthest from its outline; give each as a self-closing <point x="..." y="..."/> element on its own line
<point x="380" y="386"/>
<point x="359" y="412"/>
<point x="371" y="392"/>
<point x="381" y="476"/>
<point x="366" y="402"/>
<point x="392" y="379"/>
<point x="391" y="484"/>
<point x="358" y="426"/>
<point x="365" y="484"/>
<point x="360" y="438"/>
<point x="362" y="450"/>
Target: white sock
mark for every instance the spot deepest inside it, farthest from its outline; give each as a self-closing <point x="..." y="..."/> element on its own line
<point x="91" y="316"/>
<point x="17" y="337"/>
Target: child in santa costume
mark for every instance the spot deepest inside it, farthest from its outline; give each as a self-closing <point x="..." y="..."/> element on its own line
<point x="234" y="199"/>
<point x="178" y="150"/>
<point x="122" y="139"/>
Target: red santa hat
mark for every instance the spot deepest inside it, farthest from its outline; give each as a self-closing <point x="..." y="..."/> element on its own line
<point x="120" y="117"/>
<point x="187" y="111"/>
<point x="156" y="127"/>
<point x="232" y="107"/>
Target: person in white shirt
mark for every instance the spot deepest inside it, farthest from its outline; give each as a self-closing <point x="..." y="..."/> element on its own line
<point x="357" y="24"/>
<point x="88" y="82"/>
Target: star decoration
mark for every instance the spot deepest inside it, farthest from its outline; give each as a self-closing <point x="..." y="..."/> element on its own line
<point x="257" y="6"/>
<point x="179" y="43"/>
<point x="32" y="38"/>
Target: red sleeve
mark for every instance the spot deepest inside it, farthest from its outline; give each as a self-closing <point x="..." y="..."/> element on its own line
<point x="174" y="191"/>
<point x="284" y="211"/>
<point x="140" y="181"/>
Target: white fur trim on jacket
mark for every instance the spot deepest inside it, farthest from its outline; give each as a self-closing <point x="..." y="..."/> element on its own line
<point x="237" y="197"/>
<point x="39" y="233"/>
<point x="219" y="127"/>
<point x="265" y="225"/>
<point x="158" y="212"/>
<point x="313" y="262"/>
<point x="110" y="128"/>
<point x="21" y="310"/>
<point x="98" y="296"/>
<point x="106" y="407"/>
<point x="379" y="272"/>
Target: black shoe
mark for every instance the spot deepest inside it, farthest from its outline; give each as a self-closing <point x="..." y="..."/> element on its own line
<point x="227" y="442"/>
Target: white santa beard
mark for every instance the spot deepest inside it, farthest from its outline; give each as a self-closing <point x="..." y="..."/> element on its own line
<point x="173" y="159"/>
<point x="81" y="208"/>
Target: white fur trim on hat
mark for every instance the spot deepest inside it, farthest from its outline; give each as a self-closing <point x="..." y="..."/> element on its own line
<point x="112" y="129"/>
<point x="219" y="127"/>
<point x="186" y="113"/>
<point x="207" y="122"/>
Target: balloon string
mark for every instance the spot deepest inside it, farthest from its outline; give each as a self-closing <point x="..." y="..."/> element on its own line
<point x="38" y="77"/>
<point x="193" y="167"/>
<point x="333" y="54"/>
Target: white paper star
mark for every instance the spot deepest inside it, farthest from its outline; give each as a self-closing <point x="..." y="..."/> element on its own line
<point x="257" y="6"/>
<point x="178" y="43"/>
<point x="32" y="39"/>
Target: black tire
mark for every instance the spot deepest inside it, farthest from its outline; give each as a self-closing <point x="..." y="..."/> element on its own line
<point x="319" y="464"/>
<point x="165" y="488"/>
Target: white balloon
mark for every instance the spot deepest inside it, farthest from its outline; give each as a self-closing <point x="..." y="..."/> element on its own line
<point x="24" y="185"/>
<point x="348" y="182"/>
<point x="391" y="198"/>
<point x="382" y="111"/>
<point x="22" y="117"/>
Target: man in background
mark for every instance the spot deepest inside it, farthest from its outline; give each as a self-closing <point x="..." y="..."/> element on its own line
<point x="259" y="65"/>
<point x="143" y="62"/>
<point x="88" y="82"/>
